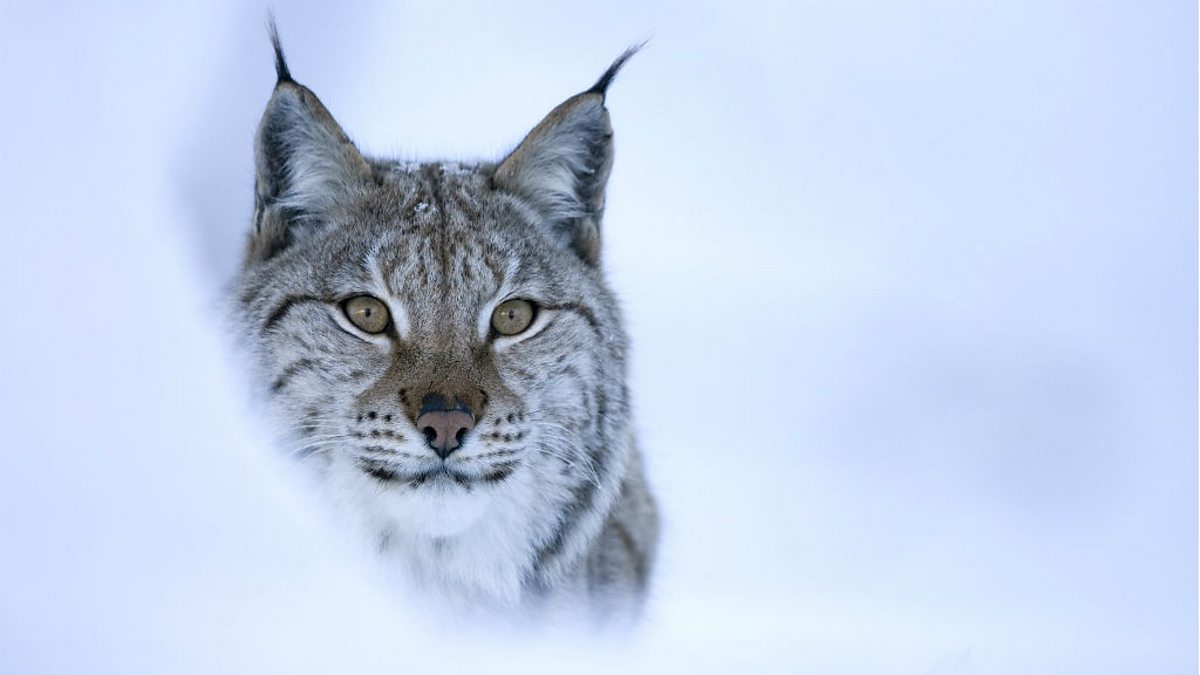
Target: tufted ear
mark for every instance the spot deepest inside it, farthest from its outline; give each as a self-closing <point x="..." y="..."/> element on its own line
<point x="304" y="164"/>
<point x="562" y="166"/>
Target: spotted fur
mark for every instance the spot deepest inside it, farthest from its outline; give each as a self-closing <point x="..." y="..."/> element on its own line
<point x="545" y="505"/>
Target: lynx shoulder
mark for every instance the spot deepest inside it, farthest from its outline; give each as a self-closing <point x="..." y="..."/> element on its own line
<point x="438" y="344"/>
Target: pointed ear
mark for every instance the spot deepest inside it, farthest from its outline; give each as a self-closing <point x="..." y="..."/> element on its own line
<point x="304" y="164"/>
<point x="562" y="167"/>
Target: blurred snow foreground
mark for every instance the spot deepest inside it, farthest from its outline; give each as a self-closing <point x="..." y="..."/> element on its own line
<point x="938" y="263"/>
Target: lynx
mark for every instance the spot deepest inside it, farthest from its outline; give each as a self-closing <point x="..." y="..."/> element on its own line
<point x="437" y="343"/>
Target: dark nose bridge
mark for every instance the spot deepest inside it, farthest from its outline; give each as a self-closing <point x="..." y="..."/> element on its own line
<point x="438" y="402"/>
<point x="460" y="395"/>
<point x="443" y="385"/>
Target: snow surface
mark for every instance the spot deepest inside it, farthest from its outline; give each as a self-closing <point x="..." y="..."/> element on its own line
<point x="912" y="288"/>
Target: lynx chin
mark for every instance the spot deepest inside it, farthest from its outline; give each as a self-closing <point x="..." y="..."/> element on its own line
<point x="438" y="347"/>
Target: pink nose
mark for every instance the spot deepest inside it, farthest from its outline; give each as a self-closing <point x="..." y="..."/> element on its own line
<point x="445" y="429"/>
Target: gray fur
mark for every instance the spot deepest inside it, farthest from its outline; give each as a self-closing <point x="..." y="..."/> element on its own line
<point x="549" y="507"/>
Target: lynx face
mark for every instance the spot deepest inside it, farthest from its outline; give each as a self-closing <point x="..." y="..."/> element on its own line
<point x="434" y="407"/>
<point x="437" y="343"/>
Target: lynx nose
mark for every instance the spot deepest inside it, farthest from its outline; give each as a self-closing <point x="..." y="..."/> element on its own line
<point x="444" y="426"/>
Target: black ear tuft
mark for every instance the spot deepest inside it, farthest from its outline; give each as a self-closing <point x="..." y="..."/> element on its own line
<point x="282" y="74"/>
<point x="601" y="86"/>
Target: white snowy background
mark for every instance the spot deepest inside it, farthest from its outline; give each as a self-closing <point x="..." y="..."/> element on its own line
<point x="911" y="285"/>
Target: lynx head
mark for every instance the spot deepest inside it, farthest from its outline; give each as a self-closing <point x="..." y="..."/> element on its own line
<point x="436" y="339"/>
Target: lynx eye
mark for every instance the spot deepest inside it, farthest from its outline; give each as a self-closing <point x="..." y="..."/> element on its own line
<point x="367" y="312"/>
<point x="513" y="316"/>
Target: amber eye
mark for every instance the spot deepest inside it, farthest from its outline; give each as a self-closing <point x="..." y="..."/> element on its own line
<point x="513" y="316"/>
<point x="367" y="312"/>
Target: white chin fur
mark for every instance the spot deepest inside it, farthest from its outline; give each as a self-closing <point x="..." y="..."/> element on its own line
<point x="438" y="508"/>
<point x="463" y="547"/>
<point x="441" y="509"/>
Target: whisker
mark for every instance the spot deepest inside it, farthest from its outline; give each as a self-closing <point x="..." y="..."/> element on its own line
<point x="559" y="447"/>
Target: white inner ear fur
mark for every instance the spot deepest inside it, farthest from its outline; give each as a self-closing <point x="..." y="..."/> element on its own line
<point x="547" y="165"/>
<point x="316" y="167"/>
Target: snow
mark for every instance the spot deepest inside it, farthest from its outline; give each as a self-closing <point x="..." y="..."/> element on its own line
<point x="911" y="290"/>
<point x="454" y="169"/>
